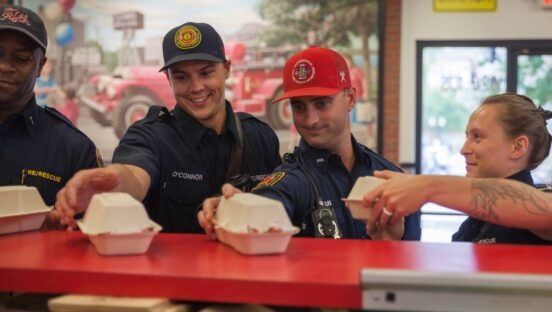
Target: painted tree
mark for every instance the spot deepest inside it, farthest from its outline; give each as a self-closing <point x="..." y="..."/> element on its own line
<point x="324" y="23"/>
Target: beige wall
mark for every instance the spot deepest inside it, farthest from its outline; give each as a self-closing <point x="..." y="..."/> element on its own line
<point x="513" y="19"/>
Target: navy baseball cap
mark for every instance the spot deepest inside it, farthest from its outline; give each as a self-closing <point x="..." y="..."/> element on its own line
<point x="191" y="42"/>
<point x="25" y="21"/>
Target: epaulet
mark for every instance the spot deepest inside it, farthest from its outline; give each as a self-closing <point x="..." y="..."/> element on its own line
<point x="250" y="118"/>
<point x="243" y="115"/>
<point x="157" y="111"/>
<point x="56" y="114"/>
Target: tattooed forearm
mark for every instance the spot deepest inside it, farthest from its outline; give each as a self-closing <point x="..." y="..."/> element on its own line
<point x="488" y="195"/>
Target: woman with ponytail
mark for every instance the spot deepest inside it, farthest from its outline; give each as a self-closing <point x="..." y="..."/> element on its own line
<point x="506" y="137"/>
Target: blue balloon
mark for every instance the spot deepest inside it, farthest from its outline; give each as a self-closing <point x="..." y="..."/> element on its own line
<point x="64" y="34"/>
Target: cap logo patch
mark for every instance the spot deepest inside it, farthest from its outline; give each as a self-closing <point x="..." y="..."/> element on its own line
<point x="303" y="71"/>
<point x="187" y="37"/>
<point x="15" y="16"/>
<point x="342" y="75"/>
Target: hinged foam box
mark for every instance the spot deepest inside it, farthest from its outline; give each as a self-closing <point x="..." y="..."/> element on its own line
<point x="355" y="200"/>
<point x="21" y="209"/>
<point x="247" y="222"/>
<point x="118" y="224"/>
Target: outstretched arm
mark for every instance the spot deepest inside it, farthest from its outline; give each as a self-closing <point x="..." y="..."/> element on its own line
<point x="500" y="201"/>
<point x="75" y="196"/>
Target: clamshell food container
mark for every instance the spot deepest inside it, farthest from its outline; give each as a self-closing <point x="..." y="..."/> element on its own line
<point x="21" y="209"/>
<point x="118" y="224"/>
<point x="355" y="199"/>
<point x="253" y="225"/>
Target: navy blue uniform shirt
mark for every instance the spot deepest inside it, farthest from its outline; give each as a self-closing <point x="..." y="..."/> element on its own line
<point x="293" y="188"/>
<point x="40" y="147"/>
<point x="473" y="229"/>
<point x="187" y="162"/>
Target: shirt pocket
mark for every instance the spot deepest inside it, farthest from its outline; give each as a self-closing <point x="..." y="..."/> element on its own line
<point x="179" y="204"/>
<point x="183" y="185"/>
<point x="47" y="189"/>
<point x="183" y="191"/>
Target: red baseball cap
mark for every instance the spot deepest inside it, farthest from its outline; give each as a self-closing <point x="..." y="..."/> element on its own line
<point x="314" y="72"/>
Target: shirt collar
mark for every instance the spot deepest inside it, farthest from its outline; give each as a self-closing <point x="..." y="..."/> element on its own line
<point x="194" y="130"/>
<point x="523" y="176"/>
<point x="321" y="157"/>
<point x="27" y="117"/>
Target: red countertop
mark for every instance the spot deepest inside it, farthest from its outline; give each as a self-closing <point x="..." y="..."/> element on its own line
<point x="312" y="272"/>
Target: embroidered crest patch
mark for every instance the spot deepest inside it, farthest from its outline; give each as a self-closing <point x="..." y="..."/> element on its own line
<point x="271" y="180"/>
<point x="187" y="37"/>
<point x="303" y="71"/>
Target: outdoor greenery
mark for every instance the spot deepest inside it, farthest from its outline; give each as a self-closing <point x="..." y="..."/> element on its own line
<point x="535" y="81"/>
<point x="321" y="22"/>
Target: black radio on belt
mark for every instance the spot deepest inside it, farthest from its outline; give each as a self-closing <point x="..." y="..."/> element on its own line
<point x="323" y="217"/>
<point x="324" y="222"/>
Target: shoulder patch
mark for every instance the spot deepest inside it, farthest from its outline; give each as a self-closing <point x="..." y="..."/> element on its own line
<point x="271" y="180"/>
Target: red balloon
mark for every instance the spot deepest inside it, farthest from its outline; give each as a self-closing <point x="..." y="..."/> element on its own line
<point x="67" y="4"/>
<point x="238" y="51"/>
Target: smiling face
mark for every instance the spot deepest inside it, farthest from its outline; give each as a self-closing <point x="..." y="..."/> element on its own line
<point x="323" y="121"/>
<point x="489" y="152"/>
<point x="20" y="63"/>
<point x="198" y="88"/>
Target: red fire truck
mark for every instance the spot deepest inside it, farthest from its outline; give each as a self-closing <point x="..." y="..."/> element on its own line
<point x="125" y="96"/>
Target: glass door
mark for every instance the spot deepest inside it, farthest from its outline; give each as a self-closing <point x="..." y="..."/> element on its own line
<point x="534" y="79"/>
<point x="454" y="81"/>
<point x="452" y="78"/>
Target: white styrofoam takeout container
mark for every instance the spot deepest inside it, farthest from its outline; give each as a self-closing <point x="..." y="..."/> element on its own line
<point x="243" y="222"/>
<point x="355" y="200"/>
<point x="118" y="224"/>
<point x="256" y="243"/>
<point x="21" y="209"/>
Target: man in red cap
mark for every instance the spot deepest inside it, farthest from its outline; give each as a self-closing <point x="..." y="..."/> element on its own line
<point x="323" y="168"/>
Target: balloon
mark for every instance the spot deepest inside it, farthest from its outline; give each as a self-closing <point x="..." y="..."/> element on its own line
<point x="238" y="51"/>
<point x="67" y="4"/>
<point x="53" y="11"/>
<point x="64" y="34"/>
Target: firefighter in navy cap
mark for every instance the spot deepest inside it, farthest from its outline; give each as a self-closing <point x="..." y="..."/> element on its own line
<point x="173" y="160"/>
<point x="323" y="168"/>
<point x="39" y="146"/>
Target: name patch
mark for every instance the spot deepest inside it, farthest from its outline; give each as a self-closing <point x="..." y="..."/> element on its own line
<point x="40" y="174"/>
<point x="187" y="176"/>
